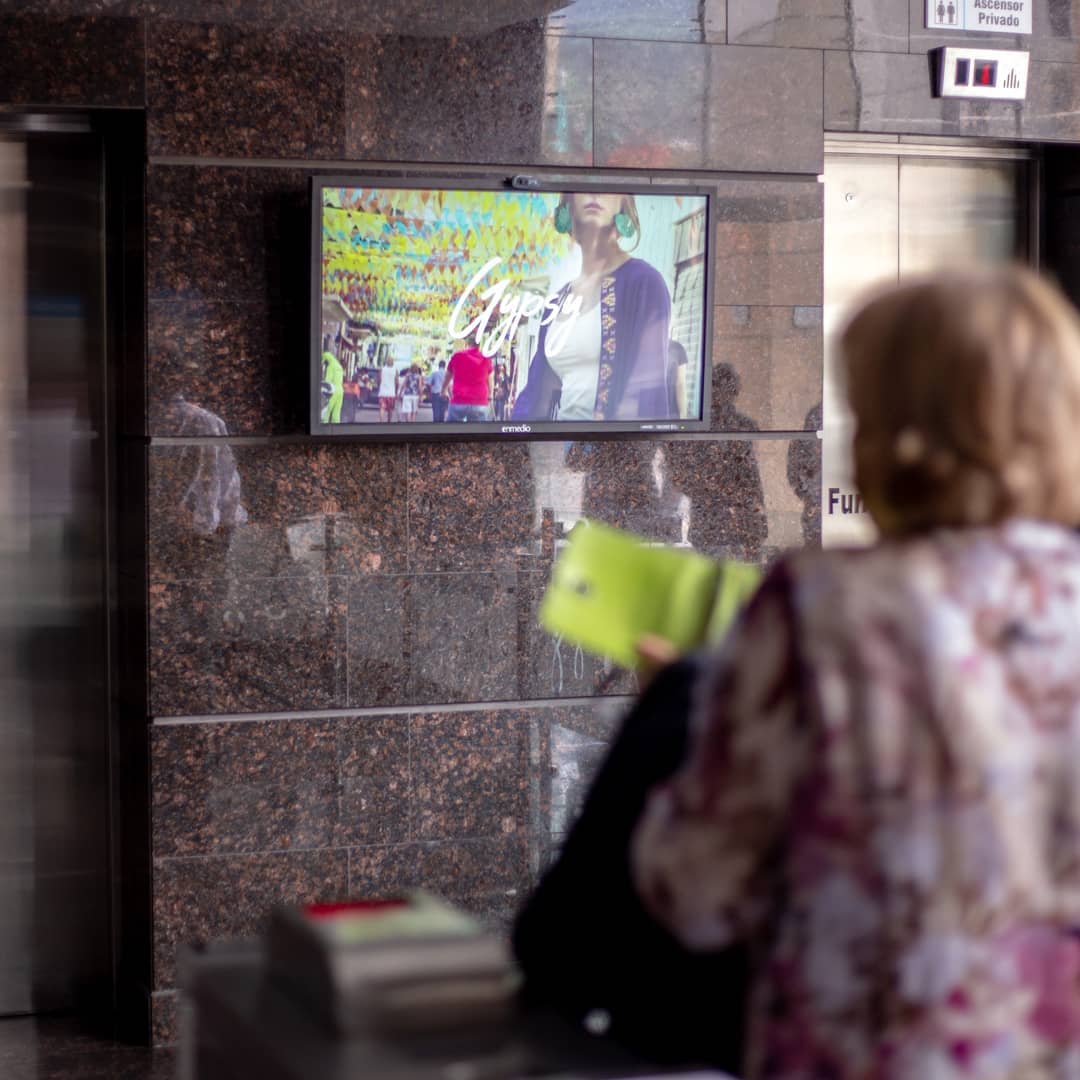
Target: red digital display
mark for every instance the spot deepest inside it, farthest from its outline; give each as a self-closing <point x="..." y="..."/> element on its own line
<point x="353" y="907"/>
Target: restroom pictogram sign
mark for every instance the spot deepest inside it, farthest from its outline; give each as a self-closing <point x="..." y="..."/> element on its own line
<point x="987" y="16"/>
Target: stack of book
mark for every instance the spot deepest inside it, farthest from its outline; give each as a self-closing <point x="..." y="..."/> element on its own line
<point x="408" y="964"/>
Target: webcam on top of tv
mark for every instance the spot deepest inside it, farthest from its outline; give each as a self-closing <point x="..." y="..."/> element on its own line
<point x="524" y="183"/>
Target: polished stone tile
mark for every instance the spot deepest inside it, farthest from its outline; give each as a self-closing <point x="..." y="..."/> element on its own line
<point x="566" y="134"/>
<point x="86" y="60"/>
<point x="236" y="361"/>
<point x="511" y="96"/>
<point x="1055" y="35"/>
<point x="164" y="1018"/>
<point x="870" y="25"/>
<point x="769" y="242"/>
<point x="243" y="787"/>
<point x="888" y="93"/>
<point x="574" y="759"/>
<point x="379" y="642"/>
<point x="62" y="1048"/>
<point x="552" y="667"/>
<point x="57" y="8"/>
<point x="488" y="877"/>
<point x="376" y="801"/>
<point x="722" y="485"/>
<point x="246" y="646"/>
<point x="623" y="483"/>
<point x="710" y="115"/>
<point x="220" y="511"/>
<point x="767" y="368"/>
<point x="729" y="497"/>
<point x="220" y="233"/>
<point x="804" y="476"/>
<point x="643" y="20"/>
<point x="471" y="506"/>
<point x="218" y="89"/>
<point x="1055" y="31"/>
<point x="463" y="638"/>
<point x="471" y="774"/>
<point x="220" y="897"/>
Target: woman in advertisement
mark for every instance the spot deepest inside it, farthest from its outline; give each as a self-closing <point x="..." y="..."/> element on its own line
<point x="611" y="362"/>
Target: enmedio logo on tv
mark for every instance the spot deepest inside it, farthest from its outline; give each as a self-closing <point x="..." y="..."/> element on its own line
<point x="516" y="429"/>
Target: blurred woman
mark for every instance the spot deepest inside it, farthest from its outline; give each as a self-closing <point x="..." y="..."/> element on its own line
<point x="409" y="386"/>
<point x="388" y="389"/>
<point x="882" y="795"/>
<point x="607" y="358"/>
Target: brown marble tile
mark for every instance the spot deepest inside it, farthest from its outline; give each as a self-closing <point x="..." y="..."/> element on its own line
<point x="727" y="496"/>
<point x="85" y="59"/>
<point x="623" y="483"/>
<point x="488" y="877"/>
<point x="769" y="242"/>
<point x="470" y="774"/>
<point x="682" y="106"/>
<point x="379" y="641"/>
<point x="804" y="476"/>
<point x="56" y="1048"/>
<point x="243" y="91"/>
<point x="220" y="233"/>
<point x="471" y="506"/>
<point x="243" y="787"/>
<point x="566" y="132"/>
<point x="246" y="646"/>
<point x="164" y="1018"/>
<point x="510" y="96"/>
<point x="375" y="771"/>
<point x="288" y="511"/>
<point x="767" y="368"/>
<point x="551" y="667"/>
<point x="237" y="362"/>
<point x="878" y="25"/>
<point x="221" y="897"/>
<point x="642" y="20"/>
<point x="463" y="638"/>
<point x="574" y="758"/>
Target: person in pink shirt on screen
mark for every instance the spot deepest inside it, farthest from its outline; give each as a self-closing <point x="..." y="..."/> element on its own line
<point x="467" y="386"/>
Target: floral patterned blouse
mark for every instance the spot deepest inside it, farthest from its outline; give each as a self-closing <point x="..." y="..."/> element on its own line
<point x="884" y="799"/>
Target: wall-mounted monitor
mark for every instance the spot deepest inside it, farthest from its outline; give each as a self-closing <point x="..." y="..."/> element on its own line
<point x="521" y="307"/>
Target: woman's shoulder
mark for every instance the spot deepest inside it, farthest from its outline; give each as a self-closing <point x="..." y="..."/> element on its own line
<point x="639" y="271"/>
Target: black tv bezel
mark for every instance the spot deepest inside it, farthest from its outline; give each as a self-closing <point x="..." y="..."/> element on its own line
<point x="536" y="183"/>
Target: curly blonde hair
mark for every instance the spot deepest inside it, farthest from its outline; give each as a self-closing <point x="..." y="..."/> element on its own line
<point x="965" y="387"/>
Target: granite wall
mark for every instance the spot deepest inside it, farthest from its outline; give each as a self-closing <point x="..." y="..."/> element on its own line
<point x="346" y="687"/>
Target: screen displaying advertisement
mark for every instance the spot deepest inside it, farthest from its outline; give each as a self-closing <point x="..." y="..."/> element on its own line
<point x="461" y="311"/>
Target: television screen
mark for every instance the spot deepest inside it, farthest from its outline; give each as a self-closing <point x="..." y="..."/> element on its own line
<point x="527" y="309"/>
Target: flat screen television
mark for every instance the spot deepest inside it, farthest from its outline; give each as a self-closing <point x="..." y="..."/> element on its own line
<point x="514" y="308"/>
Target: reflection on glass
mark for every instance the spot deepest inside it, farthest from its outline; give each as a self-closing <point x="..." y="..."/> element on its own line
<point x="887" y="215"/>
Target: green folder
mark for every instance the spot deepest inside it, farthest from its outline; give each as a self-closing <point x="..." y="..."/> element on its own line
<point x="609" y="587"/>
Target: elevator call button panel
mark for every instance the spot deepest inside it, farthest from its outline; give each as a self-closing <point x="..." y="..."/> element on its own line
<point x="995" y="74"/>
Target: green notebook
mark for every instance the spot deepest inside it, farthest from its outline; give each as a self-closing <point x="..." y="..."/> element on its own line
<point x="609" y="587"/>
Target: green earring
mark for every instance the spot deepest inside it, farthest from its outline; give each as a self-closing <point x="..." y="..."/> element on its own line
<point x="562" y="218"/>
<point x="623" y="225"/>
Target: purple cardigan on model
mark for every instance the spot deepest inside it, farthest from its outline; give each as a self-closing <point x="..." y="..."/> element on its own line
<point x="635" y="319"/>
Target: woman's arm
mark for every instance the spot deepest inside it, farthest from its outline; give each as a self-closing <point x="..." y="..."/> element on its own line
<point x="703" y="848"/>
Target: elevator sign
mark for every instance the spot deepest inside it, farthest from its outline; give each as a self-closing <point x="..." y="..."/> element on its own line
<point x="988" y="16"/>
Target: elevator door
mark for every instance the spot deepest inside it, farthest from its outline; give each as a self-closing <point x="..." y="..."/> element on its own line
<point x="54" y="856"/>
<point x="892" y="210"/>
